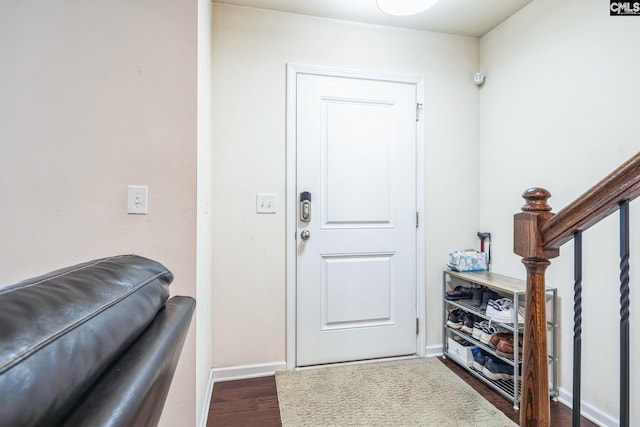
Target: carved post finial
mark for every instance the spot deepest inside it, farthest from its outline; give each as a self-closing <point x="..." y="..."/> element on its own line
<point x="529" y="244"/>
<point x="536" y="200"/>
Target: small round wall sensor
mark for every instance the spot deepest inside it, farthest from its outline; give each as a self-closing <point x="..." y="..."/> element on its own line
<point x="478" y="78"/>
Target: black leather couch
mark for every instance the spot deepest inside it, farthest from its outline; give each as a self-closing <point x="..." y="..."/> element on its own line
<point x="95" y="344"/>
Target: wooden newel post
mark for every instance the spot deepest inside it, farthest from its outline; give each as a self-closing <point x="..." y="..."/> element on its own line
<point x="528" y="242"/>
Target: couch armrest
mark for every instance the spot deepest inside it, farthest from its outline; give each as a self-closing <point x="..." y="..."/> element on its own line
<point x="133" y="390"/>
<point x="59" y="332"/>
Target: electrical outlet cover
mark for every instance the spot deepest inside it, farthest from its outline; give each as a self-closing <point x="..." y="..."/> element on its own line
<point x="137" y="199"/>
<point x="265" y="203"/>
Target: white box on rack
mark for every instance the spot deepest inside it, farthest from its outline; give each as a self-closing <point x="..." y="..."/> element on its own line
<point x="468" y="260"/>
<point x="463" y="353"/>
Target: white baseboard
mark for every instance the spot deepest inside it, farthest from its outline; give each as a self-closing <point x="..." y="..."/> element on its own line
<point x="247" y="371"/>
<point x="205" y="411"/>
<point x="433" y="350"/>
<point x="588" y="411"/>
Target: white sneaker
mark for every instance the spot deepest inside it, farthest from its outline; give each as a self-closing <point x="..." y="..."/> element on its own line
<point x="477" y="329"/>
<point x="487" y="331"/>
<point x="501" y="310"/>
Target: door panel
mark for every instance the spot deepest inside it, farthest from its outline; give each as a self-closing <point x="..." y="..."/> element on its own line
<point x="356" y="274"/>
<point x="362" y="197"/>
<point x="347" y="278"/>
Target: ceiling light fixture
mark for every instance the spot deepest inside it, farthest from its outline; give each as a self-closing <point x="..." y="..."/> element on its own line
<point x="404" y="7"/>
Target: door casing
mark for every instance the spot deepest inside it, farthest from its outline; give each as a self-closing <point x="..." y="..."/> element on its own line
<point x="291" y="195"/>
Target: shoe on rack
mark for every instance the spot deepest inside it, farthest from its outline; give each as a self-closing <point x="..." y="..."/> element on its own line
<point x="476" y="299"/>
<point x="486" y="331"/>
<point x="495" y="369"/>
<point x="477" y="329"/>
<point x="468" y="322"/>
<point x="455" y="319"/>
<point x="502" y="310"/>
<point x="460" y="292"/>
<point x="505" y="348"/>
<point x="479" y="357"/>
<point x="502" y="336"/>
<point x="483" y="330"/>
<point x="487" y="294"/>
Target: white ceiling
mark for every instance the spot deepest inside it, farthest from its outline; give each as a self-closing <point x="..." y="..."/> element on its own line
<point x="466" y="17"/>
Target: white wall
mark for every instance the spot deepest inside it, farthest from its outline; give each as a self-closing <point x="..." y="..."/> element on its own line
<point x="251" y="48"/>
<point x="558" y="110"/>
<point x="96" y="96"/>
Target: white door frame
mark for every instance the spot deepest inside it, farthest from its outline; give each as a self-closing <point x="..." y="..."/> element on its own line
<point x="291" y="199"/>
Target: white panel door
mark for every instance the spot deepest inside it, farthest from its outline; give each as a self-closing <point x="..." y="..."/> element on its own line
<point x="356" y="272"/>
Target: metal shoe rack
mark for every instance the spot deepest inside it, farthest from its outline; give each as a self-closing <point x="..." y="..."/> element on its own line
<point x="506" y="287"/>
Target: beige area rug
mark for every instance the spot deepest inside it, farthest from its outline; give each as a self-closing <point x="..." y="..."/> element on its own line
<point x="416" y="392"/>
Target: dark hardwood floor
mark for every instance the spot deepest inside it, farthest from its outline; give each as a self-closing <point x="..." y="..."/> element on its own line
<point x="561" y="416"/>
<point x="254" y="402"/>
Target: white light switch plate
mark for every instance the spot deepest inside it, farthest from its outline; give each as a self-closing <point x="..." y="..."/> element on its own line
<point x="265" y="203"/>
<point x="137" y="199"/>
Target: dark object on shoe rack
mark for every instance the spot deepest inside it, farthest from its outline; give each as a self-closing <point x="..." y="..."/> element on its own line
<point x="495" y="338"/>
<point x="504" y="336"/>
<point x="505" y="349"/>
<point x="460" y="292"/>
<point x="478" y="360"/>
<point x="503" y="343"/>
<point x="496" y="369"/>
<point x="455" y="319"/>
<point x="476" y="299"/>
<point x="487" y="294"/>
<point x="468" y="321"/>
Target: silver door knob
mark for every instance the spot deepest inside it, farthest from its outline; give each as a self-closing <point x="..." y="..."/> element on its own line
<point x="305" y="234"/>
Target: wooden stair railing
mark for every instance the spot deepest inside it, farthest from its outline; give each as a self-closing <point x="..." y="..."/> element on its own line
<point x="538" y="235"/>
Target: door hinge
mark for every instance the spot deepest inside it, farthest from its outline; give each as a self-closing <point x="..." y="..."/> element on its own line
<point x="417" y="326"/>
<point x="418" y="109"/>
<point x="417" y="219"/>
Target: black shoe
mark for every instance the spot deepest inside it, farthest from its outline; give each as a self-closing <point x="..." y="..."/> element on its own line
<point x="476" y="299"/>
<point x="487" y="295"/>
<point x="495" y="369"/>
<point x="455" y="319"/>
<point x="460" y="292"/>
<point x="479" y="358"/>
<point x="468" y="321"/>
